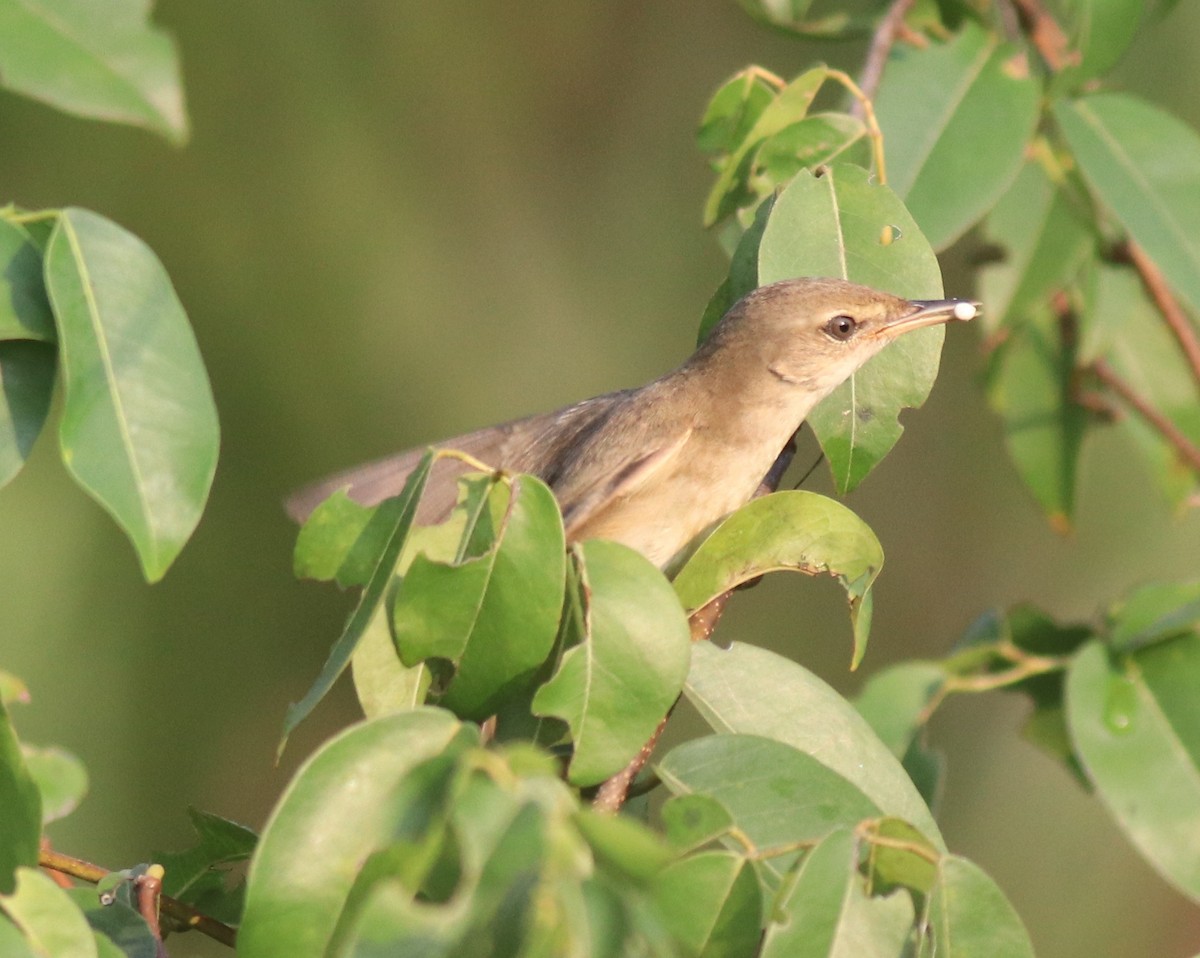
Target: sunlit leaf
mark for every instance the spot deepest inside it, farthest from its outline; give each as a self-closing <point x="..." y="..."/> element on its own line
<point x="398" y="513"/>
<point x="617" y="684"/>
<point x="733" y="111"/>
<point x="139" y="427"/>
<point x="842" y="224"/>
<point x="1135" y="723"/>
<point x="969" y="915"/>
<point x="101" y="59"/>
<point x="791" y="530"/>
<point x="956" y="119"/>
<point x="51" y="921"/>
<point x="755" y="691"/>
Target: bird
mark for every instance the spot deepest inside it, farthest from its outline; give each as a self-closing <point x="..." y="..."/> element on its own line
<point x="657" y="466"/>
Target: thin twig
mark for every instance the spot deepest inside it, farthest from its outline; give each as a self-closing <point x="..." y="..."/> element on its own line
<point x="1184" y="447"/>
<point x="181" y="914"/>
<point x="881" y="45"/>
<point x="1168" y="305"/>
<point x="148" y="890"/>
<point x="874" y="134"/>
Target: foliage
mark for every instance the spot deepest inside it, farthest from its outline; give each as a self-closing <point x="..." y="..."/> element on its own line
<point x="510" y="678"/>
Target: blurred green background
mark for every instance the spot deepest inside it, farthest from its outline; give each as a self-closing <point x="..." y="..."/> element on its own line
<point x="397" y="221"/>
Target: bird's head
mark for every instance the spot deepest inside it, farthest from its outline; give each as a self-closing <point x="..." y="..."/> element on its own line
<point x="815" y="332"/>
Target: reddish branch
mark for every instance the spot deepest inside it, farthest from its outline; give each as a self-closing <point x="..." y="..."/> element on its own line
<point x="881" y="45"/>
<point x="1046" y="35"/>
<point x="1184" y="447"/>
<point x="1168" y="305"/>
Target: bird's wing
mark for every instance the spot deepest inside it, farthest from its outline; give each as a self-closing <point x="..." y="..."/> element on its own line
<point x="535" y="444"/>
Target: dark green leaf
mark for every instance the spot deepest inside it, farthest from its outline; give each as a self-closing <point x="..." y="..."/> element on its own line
<point x="24" y="309"/>
<point x="777" y="795"/>
<point x="118" y="925"/>
<point x="743" y="271"/>
<point x="1135" y="724"/>
<point x="495" y="615"/>
<point x="754" y="691"/>
<point x="1144" y="165"/>
<point x="1030" y="388"/>
<point x="139" y="429"/>
<point x="52" y="923"/>
<point x="26" y="385"/>
<point x="398" y="512"/>
<point x="101" y="59"/>
<point x="339" y="808"/>
<point x="842" y="224"/>
<point x="969" y="915"/>
<point x="221" y="843"/>
<point x="693" y="821"/>
<point x="61" y="779"/>
<point x="21" y="823"/>
<point x="615" y="687"/>
<point x="956" y="119"/>
<point x="791" y="530"/>
<point x="826" y="913"/>
<point x="712" y="904"/>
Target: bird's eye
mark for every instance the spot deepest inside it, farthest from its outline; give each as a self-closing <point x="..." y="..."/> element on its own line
<point x="841" y="327"/>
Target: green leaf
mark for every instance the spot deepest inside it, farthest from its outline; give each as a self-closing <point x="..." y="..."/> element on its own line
<point x="693" y="821"/>
<point x="805" y="145"/>
<point x="382" y="682"/>
<point x="51" y="921"/>
<point x="711" y="904"/>
<point x="900" y="856"/>
<point x="1144" y="165"/>
<point x="624" y="844"/>
<point x="21" y="823"/>
<point x="398" y="512"/>
<point x="894" y="702"/>
<point x="1030" y="388"/>
<point x="827" y="913"/>
<point x="26" y="386"/>
<point x="790" y="15"/>
<point x="618" y="683"/>
<point x="1135" y="723"/>
<point x="743" y="271"/>
<point x="100" y="59"/>
<point x="777" y="795"/>
<point x="339" y="808"/>
<point x="1152" y="614"/>
<point x="791" y="530"/>
<point x="24" y="309"/>
<point x="198" y="875"/>
<point x="842" y="224"/>
<point x="970" y="916"/>
<point x="1100" y="31"/>
<point x="956" y="120"/>
<point x="119" y="930"/>
<point x="790" y="105"/>
<point x="1045" y="239"/>
<point x="139" y="429"/>
<point x="494" y="615"/>
<point x="733" y="111"/>
<point x="340" y="542"/>
<point x="61" y="778"/>
<point x="755" y="691"/>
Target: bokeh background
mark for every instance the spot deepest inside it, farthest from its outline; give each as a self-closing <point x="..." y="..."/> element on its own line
<point x="399" y="220"/>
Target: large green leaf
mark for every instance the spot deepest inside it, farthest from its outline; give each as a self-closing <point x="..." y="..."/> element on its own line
<point x="969" y="915"/>
<point x="775" y="794"/>
<point x="1144" y="165"/>
<point x="842" y="224"/>
<point x="615" y="686"/>
<point x="1030" y="386"/>
<point x="139" y="427"/>
<point x="755" y="691"/>
<point x="397" y="514"/>
<point x="1135" y="723"/>
<point x="52" y="923"/>
<point x="340" y="807"/>
<point x="24" y="309"/>
<point x="956" y="119"/>
<point x="827" y="912"/>
<point x="26" y="386"/>
<point x="96" y="58"/>
<point x="791" y="530"/>
<point x="493" y="615"/>
<point x="21" y="823"/>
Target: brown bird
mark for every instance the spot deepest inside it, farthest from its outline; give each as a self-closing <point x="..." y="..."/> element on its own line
<point x="655" y="466"/>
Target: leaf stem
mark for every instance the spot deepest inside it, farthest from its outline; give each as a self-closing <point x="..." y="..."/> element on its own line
<point x="1187" y="451"/>
<point x="874" y="134"/>
<point x="1168" y="305"/>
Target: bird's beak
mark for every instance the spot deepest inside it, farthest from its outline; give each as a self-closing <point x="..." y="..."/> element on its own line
<point x="931" y="312"/>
